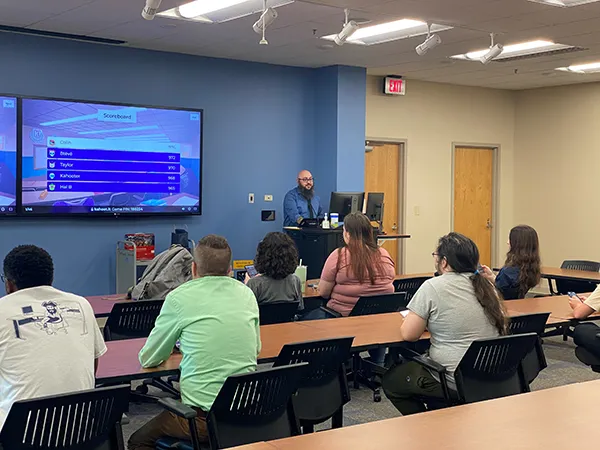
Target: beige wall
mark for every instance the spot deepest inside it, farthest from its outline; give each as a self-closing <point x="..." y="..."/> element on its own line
<point x="431" y="117"/>
<point x="556" y="169"/>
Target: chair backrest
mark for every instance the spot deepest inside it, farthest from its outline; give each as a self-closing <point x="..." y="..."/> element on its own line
<point x="323" y="389"/>
<point x="492" y="368"/>
<point x="379" y="304"/>
<point x="87" y="420"/>
<point x="255" y="407"/>
<point x="130" y="320"/>
<point x="277" y="312"/>
<point x="410" y="286"/>
<point x="565" y="286"/>
<point x="528" y="323"/>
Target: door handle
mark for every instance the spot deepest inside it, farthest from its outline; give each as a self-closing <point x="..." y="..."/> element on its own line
<point x="488" y="225"/>
<point x="394" y="227"/>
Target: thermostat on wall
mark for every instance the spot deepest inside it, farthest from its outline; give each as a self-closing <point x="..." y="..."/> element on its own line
<point x="394" y="85"/>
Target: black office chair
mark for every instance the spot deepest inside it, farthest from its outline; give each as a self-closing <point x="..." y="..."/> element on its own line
<point x="365" y="372"/>
<point x="535" y="361"/>
<point x="277" y="312"/>
<point x="491" y="368"/>
<point x="133" y="319"/>
<point x="323" y="390"/>
<point x="563" y="287"/>
<point x="376" y="304"/>
<point x="587" y="339"/>
<point x="86" y="420"/>
<point x="410" y="286"/>
<point x="251" y="407"/>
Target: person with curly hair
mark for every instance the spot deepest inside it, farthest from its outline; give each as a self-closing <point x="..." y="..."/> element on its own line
<point x="276" y="261"/>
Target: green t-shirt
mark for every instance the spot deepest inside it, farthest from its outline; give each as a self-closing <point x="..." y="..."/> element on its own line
<point x="217" y="323"/>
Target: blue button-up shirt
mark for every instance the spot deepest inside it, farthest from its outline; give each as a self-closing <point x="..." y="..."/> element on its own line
<point x="295" y="205"/>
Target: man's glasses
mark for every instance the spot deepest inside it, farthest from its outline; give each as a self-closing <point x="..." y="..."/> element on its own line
<point x="306" y="180"/>
<point x="2" y="277"/>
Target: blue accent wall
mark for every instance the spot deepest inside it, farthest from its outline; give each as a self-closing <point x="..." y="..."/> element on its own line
<point x="262" y="124"/>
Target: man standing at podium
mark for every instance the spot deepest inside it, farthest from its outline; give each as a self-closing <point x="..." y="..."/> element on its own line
<point x="301" y="202"/>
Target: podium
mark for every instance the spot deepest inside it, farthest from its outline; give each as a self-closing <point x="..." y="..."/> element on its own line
<point x="315" y="245"/>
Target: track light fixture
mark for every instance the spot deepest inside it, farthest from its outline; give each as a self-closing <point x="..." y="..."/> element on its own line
<point x="150" y="9"/>
<point x="350" y="27"/>
<point x="267" y="18"/>
<point x="494" y="51"/>
<point x="431" y="41"/>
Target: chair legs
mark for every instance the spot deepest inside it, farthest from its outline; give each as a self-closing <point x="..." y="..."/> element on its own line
<point x="337" y="421"/>
<point x="359" y="377"/>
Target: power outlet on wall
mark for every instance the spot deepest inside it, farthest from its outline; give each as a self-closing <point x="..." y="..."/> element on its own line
<point x="268" y="198"/>
<point x="250" y="198"/>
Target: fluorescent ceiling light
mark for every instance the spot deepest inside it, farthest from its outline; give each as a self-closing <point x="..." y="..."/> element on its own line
<point x="390" y="31"/>
<point x="202" y="7"/>
<point x="564" y="3"/>
<point x="217" y="11"/>
<point x="582" y="68"/>
<point x="511" y="51"/>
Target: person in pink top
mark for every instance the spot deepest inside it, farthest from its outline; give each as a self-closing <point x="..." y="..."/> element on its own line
<point x="359" y="269"/>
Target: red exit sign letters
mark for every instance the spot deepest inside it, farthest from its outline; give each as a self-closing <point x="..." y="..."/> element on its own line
<point x="394" y="86"/>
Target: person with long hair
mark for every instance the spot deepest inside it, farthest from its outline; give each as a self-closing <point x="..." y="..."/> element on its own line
<point x="358" y="269"/>
<point x="276" y="261"/>
<point x="457" y="308"/>
<point x="523" y="268"/>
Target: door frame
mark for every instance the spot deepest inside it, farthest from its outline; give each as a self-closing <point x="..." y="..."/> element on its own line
<point x="495" y="190"/>
<point x="402" y="172"/>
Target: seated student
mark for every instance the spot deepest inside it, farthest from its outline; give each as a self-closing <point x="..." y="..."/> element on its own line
<point x="276" y="261"/>
<point x="49" y="339"/>
<point x="359" y="269"/>
<point x="583" y="306"/>
<point x="522" y="269"/>
<point x="457" y="308"/>
<point x="215" y="318"/>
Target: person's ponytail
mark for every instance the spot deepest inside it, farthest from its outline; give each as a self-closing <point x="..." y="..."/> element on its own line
<point x="492" y="304"/>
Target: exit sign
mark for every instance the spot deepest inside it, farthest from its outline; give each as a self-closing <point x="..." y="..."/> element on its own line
<point x="394" y="86"/>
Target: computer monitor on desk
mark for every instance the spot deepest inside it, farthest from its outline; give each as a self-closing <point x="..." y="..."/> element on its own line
<point x="374" y="209"/>
<point x="345" y="203"/>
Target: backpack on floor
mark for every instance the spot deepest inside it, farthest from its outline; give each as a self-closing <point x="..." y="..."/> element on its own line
<point x="169" y="270"/>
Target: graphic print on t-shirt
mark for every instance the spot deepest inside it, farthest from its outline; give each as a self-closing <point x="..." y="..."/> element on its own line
<point x="49" y="317"/>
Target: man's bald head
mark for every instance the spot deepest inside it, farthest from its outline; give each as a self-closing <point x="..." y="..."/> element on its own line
<point x="306" y="183"/>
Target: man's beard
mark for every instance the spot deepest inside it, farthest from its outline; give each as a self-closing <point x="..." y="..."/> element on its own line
<point x="307" y="193"/>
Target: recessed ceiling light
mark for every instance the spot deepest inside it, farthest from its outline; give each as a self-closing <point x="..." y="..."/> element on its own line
<point x="564" y="3"/>
<point x="390" y="31"/>
<point x="217" y="11"/>
<point x="514" y="50"/>
<point x="582" y="68"/>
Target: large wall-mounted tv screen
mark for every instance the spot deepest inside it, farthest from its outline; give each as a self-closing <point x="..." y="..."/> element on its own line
<point x="106" y="159"/>
<point x="8" y="155"/>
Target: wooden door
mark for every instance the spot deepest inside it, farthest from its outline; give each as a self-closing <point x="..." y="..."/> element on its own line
<point x="382" y="174"/>
<point x="473" y="197"/>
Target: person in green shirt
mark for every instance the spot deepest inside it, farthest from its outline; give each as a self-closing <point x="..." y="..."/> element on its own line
<point x="215" y="318"/>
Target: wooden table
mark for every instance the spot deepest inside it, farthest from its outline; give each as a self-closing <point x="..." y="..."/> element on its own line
<point x="120" y="363"/>
<point x="556" y="305"/>
<point x="526" y="421"/>
<point x="555" y="273"/>
<point x="102" y="304"/>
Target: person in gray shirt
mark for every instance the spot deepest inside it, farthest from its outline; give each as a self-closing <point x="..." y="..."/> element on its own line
<point x="457" y="308"/>
<point x="276" y="261"/>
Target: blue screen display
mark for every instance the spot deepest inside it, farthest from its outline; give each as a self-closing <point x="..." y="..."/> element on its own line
<point x="109" y="159"/>
<point x="8" y="155"/>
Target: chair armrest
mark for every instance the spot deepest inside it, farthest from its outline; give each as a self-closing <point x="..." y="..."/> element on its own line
<point x="178" y="408"/>
<point x="598" y="336"/>
<point x="430" y="364"/>
<point x="330" y="312"/>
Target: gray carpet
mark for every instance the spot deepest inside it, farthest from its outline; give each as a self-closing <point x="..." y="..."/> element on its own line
<point x="563" y="368"/>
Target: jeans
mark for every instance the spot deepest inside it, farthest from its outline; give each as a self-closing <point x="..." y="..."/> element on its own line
<point x="166" y="424"/>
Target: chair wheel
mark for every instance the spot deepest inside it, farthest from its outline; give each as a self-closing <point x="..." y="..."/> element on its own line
<point x="142" y="389"/>
<point x="376" y="397"/>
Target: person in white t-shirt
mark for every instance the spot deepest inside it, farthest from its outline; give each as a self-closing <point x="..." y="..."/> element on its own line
<point x="49" y="340"/>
